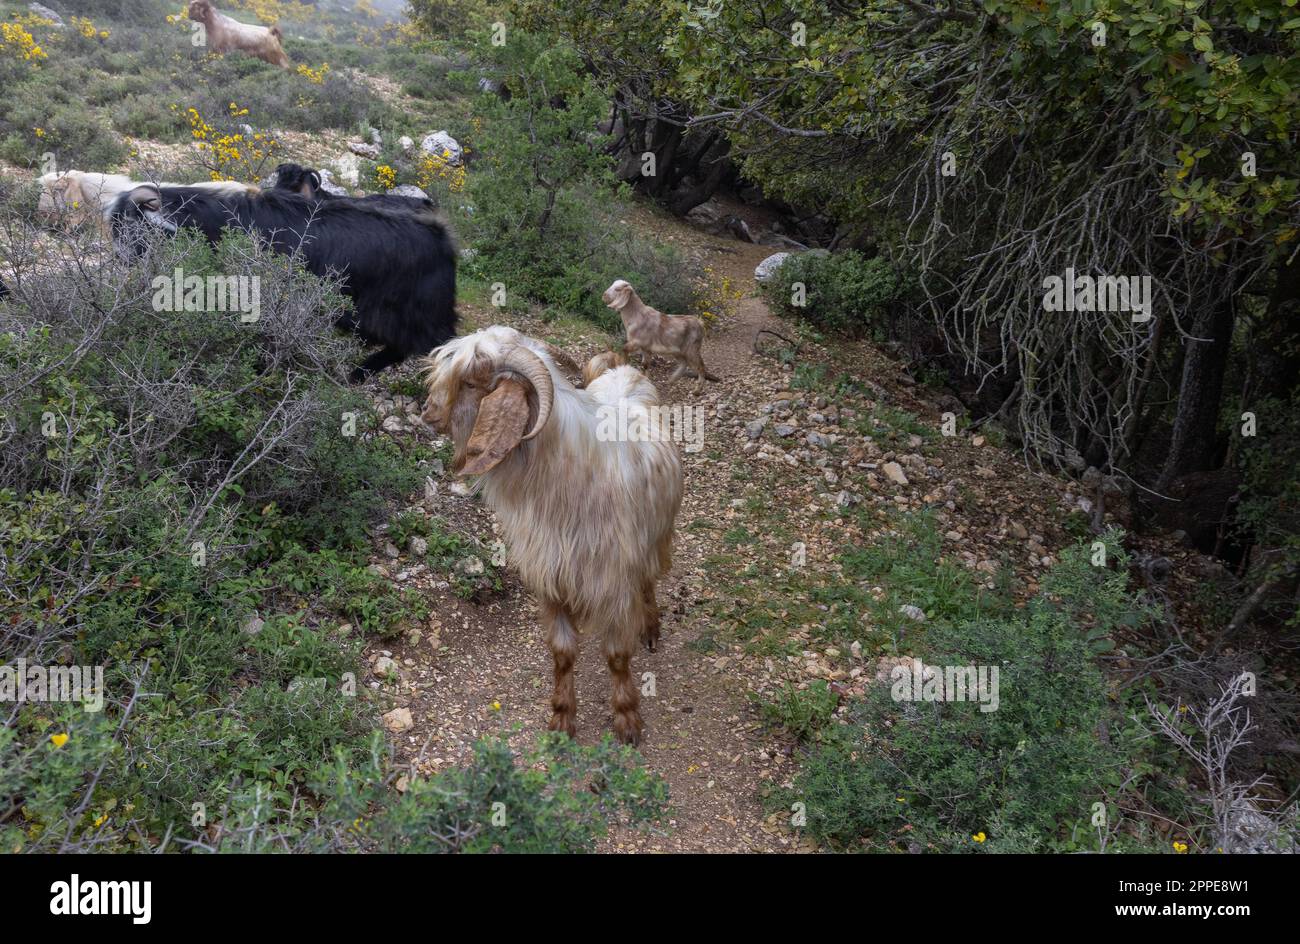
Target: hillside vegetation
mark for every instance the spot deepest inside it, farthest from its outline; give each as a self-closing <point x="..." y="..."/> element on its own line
<point x="308" y="637"/>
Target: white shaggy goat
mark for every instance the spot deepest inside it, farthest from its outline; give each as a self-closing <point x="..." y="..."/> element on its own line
<point x="75" y="196"/>
<point x="226" y="35"/>
<point x="586" y="485"/>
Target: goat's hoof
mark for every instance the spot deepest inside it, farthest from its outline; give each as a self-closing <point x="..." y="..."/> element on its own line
<point x="627" y="728"/>
<point x="564" y="722"/>
<point x="651" y="640"/>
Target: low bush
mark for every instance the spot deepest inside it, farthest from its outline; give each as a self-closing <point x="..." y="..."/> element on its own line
<point x="947" y="776"/>
<point x="556" y="796"/>
<point x="188" y="503"/>
<point x="545" y="216"/>
<point x="802" y="712"/>
<point x="844" y="292"/>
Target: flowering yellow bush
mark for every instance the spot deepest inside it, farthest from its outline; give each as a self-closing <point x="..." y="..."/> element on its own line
<point x="382" y="34"/>
<point x="231" y="154"/>
<point x="408" y="34"/>
<point x="714" y="298"/>
<point x="17" y="43"/>
<point x="88" y="29"/>
<point x="385" y="177"/>
<point x="434" y="168"/>
<point x="272" y="11"/>
<point x="315" y="76"/>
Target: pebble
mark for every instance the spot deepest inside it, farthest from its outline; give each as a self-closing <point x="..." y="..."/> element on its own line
<point x="894" y="472"/>
<point x="399" y="719"/>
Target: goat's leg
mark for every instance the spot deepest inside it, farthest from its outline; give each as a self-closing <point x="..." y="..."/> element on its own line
<point x="625" y="698"/>
<point x="681" y="369"/>
<point x="698" y="368"/>
<point x="650" y="627"/>
<point x="384" y="357"/>
<point x="632" y="348"/>
<point x="702" y="370"/>
<point x="563" y="640"/>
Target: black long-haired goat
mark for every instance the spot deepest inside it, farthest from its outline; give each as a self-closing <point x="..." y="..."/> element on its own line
<point x="397" y="264"/>
<point x="306" y="181"/>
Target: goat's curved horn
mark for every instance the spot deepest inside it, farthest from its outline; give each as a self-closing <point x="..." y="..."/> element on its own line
<point x="531" y="367"/>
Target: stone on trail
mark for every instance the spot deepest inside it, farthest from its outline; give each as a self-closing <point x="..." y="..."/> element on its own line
<point x="894" y="472"/>
<point x="766" y="269"/>
<point x="399" y="719"/>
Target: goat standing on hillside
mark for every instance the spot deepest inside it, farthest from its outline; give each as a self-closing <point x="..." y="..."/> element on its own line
<point x="226" y="35"/>
<point x="649" y="331"/>
<point x="587" y="516"/>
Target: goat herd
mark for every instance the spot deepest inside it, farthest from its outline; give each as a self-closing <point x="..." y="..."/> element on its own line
<point x="587" y="516"/>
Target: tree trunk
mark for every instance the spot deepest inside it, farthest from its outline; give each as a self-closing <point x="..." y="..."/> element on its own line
<point x="1278" y="350"/>
<point x="1194" y="446"/>
<point x="678" y="155"/>
<point x="714" y="162"/>
<point x="667" y="139"/>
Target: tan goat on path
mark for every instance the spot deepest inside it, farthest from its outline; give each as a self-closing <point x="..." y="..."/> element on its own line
<point x="649" y="331"/>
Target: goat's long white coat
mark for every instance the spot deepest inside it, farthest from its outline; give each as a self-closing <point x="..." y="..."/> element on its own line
<point x="588" y="523"/>
<point x="76" y="194"/>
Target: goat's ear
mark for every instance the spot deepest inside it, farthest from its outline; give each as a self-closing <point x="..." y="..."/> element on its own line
<point x="314" y="179"/>
<point x="501" y="422"/>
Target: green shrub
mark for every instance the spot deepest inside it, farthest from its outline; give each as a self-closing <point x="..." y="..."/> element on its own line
<point x="558" y="796"/>
<point x="546" y="218"/>
<point x="803" y="713"/>
<point x="76" y="137"/>
<point x="844" y="292"/>
<point x="949" y="777"/>
<point x="144" y="116"/>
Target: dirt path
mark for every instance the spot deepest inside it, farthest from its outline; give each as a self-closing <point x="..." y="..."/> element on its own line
<point x="814" y="475"/>
<point x="701" y="734"/>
